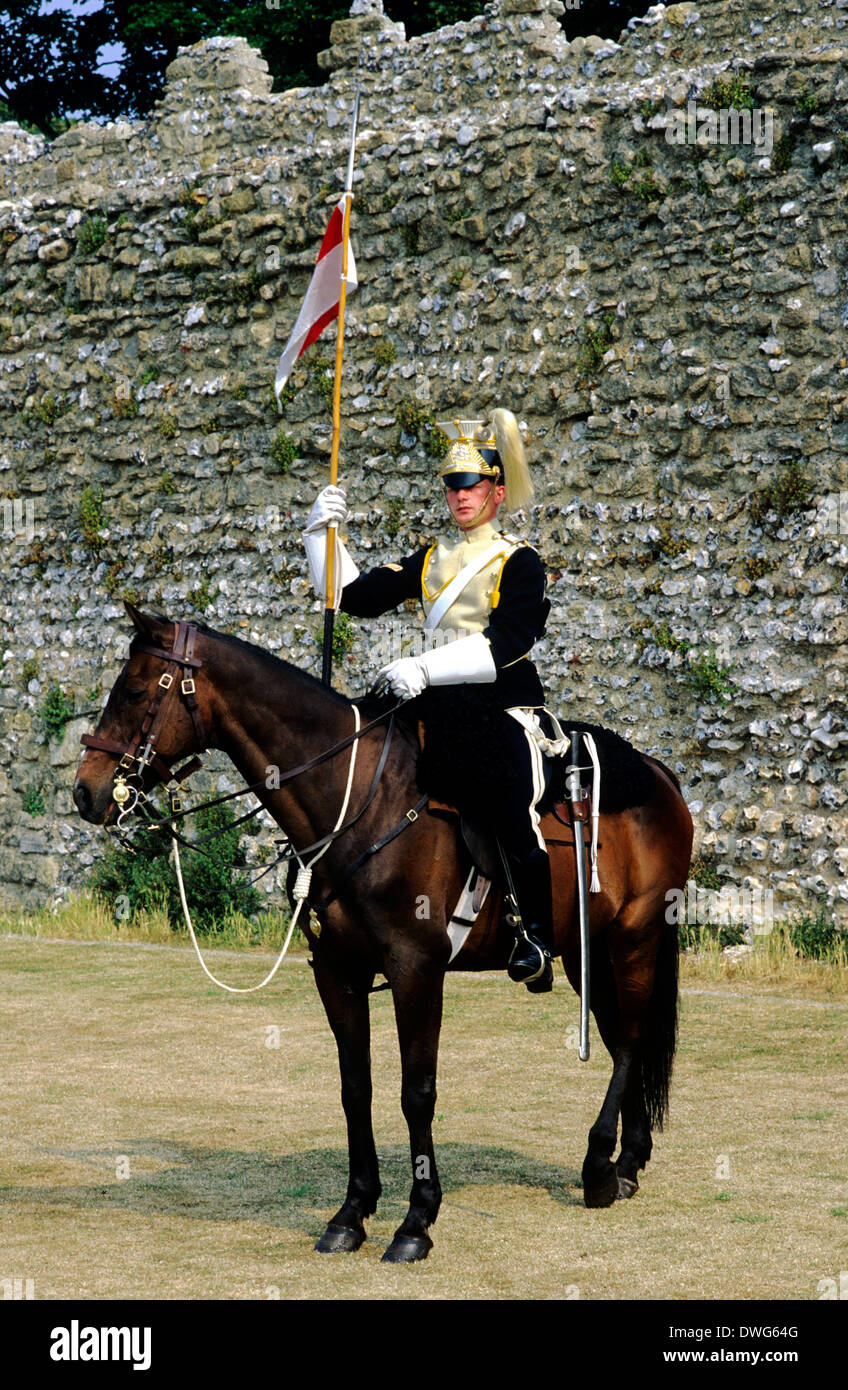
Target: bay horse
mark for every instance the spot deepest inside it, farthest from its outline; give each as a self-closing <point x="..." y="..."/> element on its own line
<point x="265" y="713"/>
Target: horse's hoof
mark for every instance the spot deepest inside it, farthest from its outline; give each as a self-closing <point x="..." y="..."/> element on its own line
<point x="405" y="1250"/>
<point x="627" y="1187"/>
<point x="339" y="1240"/>
<point x="603" y="1193"/>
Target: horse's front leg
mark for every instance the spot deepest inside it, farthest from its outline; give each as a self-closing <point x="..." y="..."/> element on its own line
<point x="346" y="1006"/>
<point x="417" y="989"/>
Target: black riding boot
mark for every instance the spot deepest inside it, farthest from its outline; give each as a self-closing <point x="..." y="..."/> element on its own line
<point x="530" y="962"/>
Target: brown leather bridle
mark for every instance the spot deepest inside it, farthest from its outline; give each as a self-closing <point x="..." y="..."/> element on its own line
<point x="141" y="753"/>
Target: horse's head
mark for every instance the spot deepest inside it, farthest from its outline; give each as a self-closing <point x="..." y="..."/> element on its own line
<point x="153" y="717"/>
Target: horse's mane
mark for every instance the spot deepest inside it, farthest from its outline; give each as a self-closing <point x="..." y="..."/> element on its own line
<point x="274" y="665"/>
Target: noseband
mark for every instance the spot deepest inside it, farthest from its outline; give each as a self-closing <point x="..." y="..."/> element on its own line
<point x="140" y="752"/>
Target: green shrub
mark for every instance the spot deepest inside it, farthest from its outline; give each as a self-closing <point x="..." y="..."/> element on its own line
<point x="215" y="889"/>
<point x="322" y="374"/>
<point x="806" y="103"/>
<point x="124" y="404"/>
<point x="781" y="155"/>
<point x="818" y="937"/>
<point x="283" y="450"/>
<point x="91" y="235"/>
<point x="419" y="420"/>
<point x="56" y="713"/>
<point x="596" y="343"/>
<point x="90" y="517"/>
<point x="411" y="233"/>
<point x="48" y="408"/>
<point x="343" y="636"/>
<point x="703" y="872"/>
<point x="729" y="93"/>
<point x="709" y="680"/>
<point x="33" y="802"/>
<point x="699" y="937"/>
<point x="385" y="352"/>
<point x="394" y="517"/>
<point x="755" y="566"/>
<point x="202" y="596"/>
<point x="246" y="288"/>
<point x="619" y="173"/>
<point x="29" y="671"/>
<point x="791" y="492"/>
<point x="669" y="542"/>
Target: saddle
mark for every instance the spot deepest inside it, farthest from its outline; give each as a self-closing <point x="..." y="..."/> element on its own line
<point x="557" y="824"/>
<point x="557" y="829"/>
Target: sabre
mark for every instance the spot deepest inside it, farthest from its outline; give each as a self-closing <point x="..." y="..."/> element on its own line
<point x="578" y="819"/>
<point x="329" y="610"/>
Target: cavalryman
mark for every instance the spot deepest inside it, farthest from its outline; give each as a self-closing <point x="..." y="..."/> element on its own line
<point x="478" y="692"/>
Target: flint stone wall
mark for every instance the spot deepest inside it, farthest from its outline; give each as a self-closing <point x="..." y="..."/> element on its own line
<point x="514" y="193"/>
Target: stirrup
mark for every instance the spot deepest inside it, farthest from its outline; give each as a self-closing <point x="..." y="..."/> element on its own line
<point x="529" y="976"/>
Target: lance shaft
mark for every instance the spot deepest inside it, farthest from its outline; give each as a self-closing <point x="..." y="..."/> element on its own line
<point x="329" y="601"/>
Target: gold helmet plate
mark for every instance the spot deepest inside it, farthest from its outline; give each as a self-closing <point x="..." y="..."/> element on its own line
<point x="467" y="438"/>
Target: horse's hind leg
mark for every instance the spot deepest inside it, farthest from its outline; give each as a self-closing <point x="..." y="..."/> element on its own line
<point x="621" y="980"/>
<point x="635" y="1006"/>
<point x="417" y="988"/>
<point x="636" y="1143"/>
<point x="635" y="1129"/>
<point x="349" y="1019"/>
<point x="600" y="1176"/>
<point x="646" y="1098"/>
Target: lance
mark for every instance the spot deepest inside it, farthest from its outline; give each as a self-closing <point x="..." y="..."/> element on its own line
<point x="329" y="608"/>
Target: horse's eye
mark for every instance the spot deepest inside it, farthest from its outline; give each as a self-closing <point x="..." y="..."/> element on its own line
<point x="134" y="694"/>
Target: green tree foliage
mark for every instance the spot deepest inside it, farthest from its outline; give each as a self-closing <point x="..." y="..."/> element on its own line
<point x="63" y="63"/>
<point x="49" y="65"/>
<point x="215" y="889"/>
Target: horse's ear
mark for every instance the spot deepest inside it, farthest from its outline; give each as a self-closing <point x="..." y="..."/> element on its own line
<point x="144" y="623"/>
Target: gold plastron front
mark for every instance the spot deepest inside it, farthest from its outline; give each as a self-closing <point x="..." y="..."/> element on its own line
<point x="470" y="611"/>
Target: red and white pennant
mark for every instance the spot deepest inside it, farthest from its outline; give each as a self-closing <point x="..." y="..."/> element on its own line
<point x="321" y="304"/>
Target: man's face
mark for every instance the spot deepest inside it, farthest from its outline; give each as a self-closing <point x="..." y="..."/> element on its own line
<point x="472" y="506"/>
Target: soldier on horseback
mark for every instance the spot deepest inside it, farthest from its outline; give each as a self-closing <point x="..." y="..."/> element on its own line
<point x="477" y="691"/>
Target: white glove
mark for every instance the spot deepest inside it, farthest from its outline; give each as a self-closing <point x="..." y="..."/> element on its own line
<point x="406" y="677"/>
<point x="467" y="661"/>
<point x="329" y="509"/>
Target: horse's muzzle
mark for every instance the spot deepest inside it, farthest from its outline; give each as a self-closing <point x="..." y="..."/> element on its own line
<point x="92" y="806"/>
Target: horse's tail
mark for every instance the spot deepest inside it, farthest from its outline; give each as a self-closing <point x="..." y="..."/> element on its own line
<point x="659" y="1030"/>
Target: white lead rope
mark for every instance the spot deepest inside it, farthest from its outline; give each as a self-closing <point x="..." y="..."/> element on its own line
<point x="300" y="892"/>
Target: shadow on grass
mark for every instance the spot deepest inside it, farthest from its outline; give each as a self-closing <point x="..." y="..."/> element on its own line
<point x="293" y="1190"/>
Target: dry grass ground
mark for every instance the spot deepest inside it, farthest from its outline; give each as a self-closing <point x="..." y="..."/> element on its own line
<point x="154" y="1143"/>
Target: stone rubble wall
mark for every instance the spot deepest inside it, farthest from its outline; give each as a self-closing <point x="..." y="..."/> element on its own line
<point x="516" y="194"/>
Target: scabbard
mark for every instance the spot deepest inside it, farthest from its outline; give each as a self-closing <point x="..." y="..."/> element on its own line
<point x="578" y="807"/>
